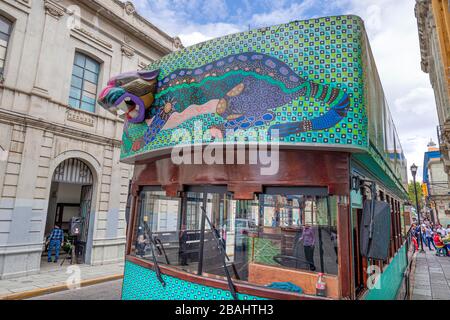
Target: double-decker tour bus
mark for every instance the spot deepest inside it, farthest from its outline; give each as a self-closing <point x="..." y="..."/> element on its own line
<point x="266" y="166"/>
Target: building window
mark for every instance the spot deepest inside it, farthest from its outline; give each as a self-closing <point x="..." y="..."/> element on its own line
<point x="83" y="89"/>
<point x="5" y="32"/>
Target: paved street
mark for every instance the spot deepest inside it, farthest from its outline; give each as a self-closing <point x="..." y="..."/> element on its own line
<point x="55" y="275"/>
<point x="432" y="277"/>
<point x="104" y="291"/>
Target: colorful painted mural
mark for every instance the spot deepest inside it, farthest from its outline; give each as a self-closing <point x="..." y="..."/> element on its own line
<point x="303" y="79"/>
<point x="131" y="93"/>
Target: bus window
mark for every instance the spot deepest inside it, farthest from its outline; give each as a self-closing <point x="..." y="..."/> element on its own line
<point x="288" y="232"/>
<point x="285" y="231"/>
<point x="159" y="224"/>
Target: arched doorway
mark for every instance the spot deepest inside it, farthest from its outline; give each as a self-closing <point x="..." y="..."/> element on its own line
<point x="71" y="194"/>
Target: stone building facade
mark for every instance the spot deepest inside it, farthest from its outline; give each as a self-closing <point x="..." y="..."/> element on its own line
<point x="59" y="151"/>
<point x="433" y="17"/>
<point x="435" y="178"/>
<point x="439" y="191"/>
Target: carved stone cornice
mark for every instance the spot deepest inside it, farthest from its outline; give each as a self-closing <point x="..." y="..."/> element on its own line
<point x="142" y="30"/>
<point x="127" y="51"/>
<point x="74" y="115"/>
<point x="54" y="9"/>
<point x="422" y="15"/>
<point x="177" y="44"/>
<point x="38" y="123"/>
<point x="87" y="34"/>
<point x="25" y="2"/>
<point x="8" y="116"/>
<point x="129" y="8"/>
<point x="142" y="65"/>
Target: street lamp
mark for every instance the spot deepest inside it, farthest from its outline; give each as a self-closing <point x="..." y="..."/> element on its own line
<point x="414" y="172"/>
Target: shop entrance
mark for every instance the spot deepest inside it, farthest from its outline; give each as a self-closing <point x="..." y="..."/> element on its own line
<point x="70" y="197"/>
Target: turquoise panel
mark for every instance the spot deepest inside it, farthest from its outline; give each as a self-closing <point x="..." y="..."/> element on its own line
<point x="142" y="284"/>
<point x="391" y="279"/>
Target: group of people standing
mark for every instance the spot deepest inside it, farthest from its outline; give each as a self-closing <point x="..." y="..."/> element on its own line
<point x="435" y="237"/>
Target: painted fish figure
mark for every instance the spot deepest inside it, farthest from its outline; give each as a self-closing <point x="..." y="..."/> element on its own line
<point x="244" y="89"/>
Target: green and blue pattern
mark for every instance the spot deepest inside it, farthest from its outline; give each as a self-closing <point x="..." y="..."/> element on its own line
<point x="142" y="284"/>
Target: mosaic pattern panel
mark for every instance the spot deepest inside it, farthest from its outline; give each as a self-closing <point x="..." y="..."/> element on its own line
<point x="142" y="284"/>
<point x="304" y="78"/>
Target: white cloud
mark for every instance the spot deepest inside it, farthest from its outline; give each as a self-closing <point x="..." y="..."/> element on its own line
<point x="393" y="34"/>
<point x="281" y="14"/>
<point x="172" y="17"/>
<point x="417" y="102"/>
<point x="191" y="35"/>
<point x="215" y="9"/>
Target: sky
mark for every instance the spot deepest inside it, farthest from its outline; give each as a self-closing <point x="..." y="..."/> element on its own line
<point x="390" y="24"/>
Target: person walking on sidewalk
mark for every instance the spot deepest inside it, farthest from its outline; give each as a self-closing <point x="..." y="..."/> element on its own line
<point x="424" y="235"/>
<point x="417" y="233"/>
<point x="429" y="237"/>
<point x="56" y="237"/>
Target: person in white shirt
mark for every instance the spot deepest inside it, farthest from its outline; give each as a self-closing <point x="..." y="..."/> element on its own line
<point x="441" y="231"/>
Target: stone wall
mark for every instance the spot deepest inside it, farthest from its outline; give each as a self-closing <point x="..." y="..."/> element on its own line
<point x="38" y="130"/>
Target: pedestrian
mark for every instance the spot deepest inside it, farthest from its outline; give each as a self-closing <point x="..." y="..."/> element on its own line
<point x="417" y="233"/>
<point x="274" y="222"/>
<point x="56" y="238"/>
<point x="141" y="242"/>
<point x="183" y="245"/>
<point x="424" y="235"/>
<point x="441" y="248"/>
<point x="429" y="238"/>
<point x="441" y="231"/>
<point x="448" y="229"/>
<point x="309" y="243"/>
<point x="416" y="246"/>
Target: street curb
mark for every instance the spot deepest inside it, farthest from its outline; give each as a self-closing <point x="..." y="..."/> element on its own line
<point x="58" y="288"/>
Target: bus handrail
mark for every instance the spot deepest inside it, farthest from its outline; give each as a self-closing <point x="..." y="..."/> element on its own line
<point x="155" y="261"/>
<point x="222" y="253"/>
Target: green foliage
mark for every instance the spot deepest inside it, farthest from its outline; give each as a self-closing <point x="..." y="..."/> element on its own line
<point x="411" y="194"/>
<point x="67" y="247"/>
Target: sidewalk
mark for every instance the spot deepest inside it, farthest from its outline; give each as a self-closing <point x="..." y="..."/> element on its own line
<point x="53" y="277"/>
<point x="432" y="277"/>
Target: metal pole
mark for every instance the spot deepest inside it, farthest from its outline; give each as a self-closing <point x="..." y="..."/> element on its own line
<point x="202" y="236"/>
<point x="418" y="214"/>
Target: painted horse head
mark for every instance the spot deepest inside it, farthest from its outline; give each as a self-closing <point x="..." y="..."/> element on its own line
<point x="131" y="94"/>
